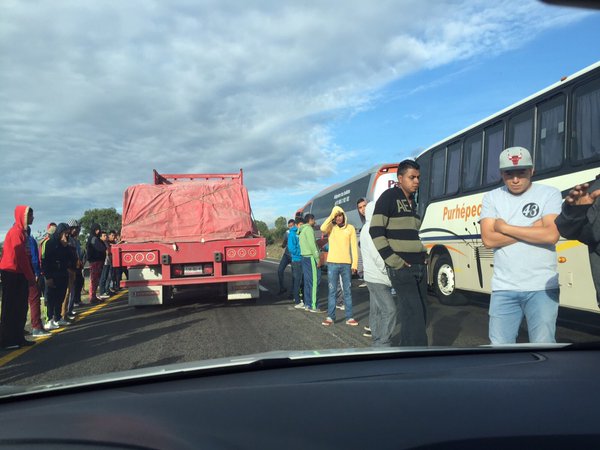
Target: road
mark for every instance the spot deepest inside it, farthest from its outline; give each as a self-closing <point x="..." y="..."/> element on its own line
<point x="196" y="326"/>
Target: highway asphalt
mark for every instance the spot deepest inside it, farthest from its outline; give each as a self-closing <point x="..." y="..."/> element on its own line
<point x="199" y="325"/>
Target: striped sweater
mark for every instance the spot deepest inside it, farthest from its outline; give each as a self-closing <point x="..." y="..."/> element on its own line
<point x="395" y="230"/>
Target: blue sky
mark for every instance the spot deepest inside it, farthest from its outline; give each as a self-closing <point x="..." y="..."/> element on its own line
<point x="299" y="95"/>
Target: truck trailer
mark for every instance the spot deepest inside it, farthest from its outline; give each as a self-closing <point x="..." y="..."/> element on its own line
<point x="189" y="230"/>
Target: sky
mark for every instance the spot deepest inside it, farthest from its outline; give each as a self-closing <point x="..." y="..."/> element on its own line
<point x="301" y="95"/>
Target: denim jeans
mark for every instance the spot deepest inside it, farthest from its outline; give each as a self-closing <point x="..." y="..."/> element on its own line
<point x="382" y="314"/>
<point x="410" y="284"/>
<point x="283" y="263"/>
<point x="507" y="309"/>
<point x="296" y="280"/>
<point x="105" y="279"/>
<point x="334" y="271"/>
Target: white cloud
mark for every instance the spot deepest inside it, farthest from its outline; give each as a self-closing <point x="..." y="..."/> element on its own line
<point x="96" y="94"/>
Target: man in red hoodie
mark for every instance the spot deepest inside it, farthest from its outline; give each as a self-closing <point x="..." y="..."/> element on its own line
<point x="17" y="276"/>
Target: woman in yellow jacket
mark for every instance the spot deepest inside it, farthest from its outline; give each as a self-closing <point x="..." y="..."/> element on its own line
<point x="342" y="261"/>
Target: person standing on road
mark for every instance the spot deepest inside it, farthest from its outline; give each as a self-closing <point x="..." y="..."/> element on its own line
<point x="311" y="264"/>
<point x="580" y="220"/>
<point x="75" y="299"/>
<point x="395" y="232"/>
<point x="286" y="259"/>
<point x="17" y="275"/>
<point x="96" y="253"/>
<point x="293" y="246"/>
<point x="361" y="206"/>
<point x="57" y="261"/>
<point x="382" y="308"/>
<point x="50" y="229"/>
<point x="35" y="315"/>
<point x="342" y="261"/>
<point x="517" y="221"/>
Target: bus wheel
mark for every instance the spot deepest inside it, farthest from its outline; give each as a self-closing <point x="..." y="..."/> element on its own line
<point x="444" y="283"/>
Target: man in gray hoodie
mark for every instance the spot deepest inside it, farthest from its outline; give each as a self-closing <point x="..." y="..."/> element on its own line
<point x="580" y="220"/>
<point x="382" y="311"/>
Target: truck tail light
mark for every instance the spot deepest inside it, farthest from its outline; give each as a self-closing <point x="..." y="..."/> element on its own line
<point x="241" y="253"/>
<point x="177" y="270"/>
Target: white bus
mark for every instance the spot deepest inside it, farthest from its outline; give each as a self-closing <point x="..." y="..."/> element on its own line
<point x="561" y="126"/>
<point x="368" y="185"/>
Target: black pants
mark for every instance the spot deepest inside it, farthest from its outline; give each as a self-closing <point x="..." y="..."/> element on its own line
<point x="55" y="298"/>
<point x="410" y="284"/>
<point x="15" y="291"/>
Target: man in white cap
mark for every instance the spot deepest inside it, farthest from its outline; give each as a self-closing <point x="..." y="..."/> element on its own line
<point x="517" y="221"/>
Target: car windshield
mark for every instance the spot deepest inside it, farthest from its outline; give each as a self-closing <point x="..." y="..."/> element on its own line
<point x="188" y="181"/>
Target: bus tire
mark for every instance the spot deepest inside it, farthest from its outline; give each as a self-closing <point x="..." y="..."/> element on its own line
<point x="444" y="283"/>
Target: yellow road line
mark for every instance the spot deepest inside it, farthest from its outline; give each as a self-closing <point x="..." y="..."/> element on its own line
<point x="18" y="352"/>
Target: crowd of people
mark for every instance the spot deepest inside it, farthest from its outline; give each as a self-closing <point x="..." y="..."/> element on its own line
<point x="51" y="271"/>
<point x="519" y="218"/>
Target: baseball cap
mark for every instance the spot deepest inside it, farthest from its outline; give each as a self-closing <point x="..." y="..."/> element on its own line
<point x="515" y="158"/>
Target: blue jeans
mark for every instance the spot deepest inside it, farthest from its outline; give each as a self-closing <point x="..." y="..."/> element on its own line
<point x="296" y="280"/>
<point x="382" y="314"/>
<point x="507" y="309"/>
<point x="334" y="271"/>
<point x="105" y="279"/>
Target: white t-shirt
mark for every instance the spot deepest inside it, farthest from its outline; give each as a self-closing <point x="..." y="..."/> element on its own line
<point x="522" y="266"/>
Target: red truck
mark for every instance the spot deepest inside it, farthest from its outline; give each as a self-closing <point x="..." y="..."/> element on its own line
<point x="189" y="229"/>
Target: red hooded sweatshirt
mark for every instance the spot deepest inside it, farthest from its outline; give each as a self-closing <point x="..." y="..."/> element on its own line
<point x="15" y="257"/>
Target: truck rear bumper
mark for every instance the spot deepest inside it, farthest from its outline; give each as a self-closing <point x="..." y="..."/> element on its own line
<point x="191" y="280"/>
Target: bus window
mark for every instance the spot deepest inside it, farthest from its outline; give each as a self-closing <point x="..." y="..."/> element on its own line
<point x="438" y="169"/>
<point x="494" y="144"/>
<point x="586" y="123"/>
<point x="472" y="162"/>
<point x="520" y="130"/>
<point x="550" y="134"/>
<point x="453" y="168"/>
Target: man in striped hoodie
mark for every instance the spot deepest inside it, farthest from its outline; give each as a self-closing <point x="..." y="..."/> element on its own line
<point x="395" y="232"/>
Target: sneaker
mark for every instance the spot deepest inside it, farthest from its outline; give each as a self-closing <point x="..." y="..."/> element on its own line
<point x="299" y="305"/>
<point x="327" y="322"/>
<point x="38" y="333"/>
<point x="11" y="347"/>
<point x="63" y="323"/>
<point x="341" y="307"/>
<point x="71" y="316"/>
<point x="367" y="334"/>
<point x="362" y="285"/>
<point x="51" y="325"/>
<point x="351" y="322"/>
<point x="316" y="310"/>
<point x="103" y="296"/>
<point x="367" y="329"/>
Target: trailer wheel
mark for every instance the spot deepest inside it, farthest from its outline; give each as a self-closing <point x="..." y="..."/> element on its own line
<point x="444" y="283"/>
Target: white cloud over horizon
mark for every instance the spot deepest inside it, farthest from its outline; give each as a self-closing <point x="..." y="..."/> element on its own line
<point x="96" y="94"/>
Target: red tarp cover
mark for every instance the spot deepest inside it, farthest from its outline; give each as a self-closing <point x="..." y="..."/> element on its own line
<point x="186" y="212"/>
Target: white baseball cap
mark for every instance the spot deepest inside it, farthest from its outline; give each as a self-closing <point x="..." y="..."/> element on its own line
<point x="515" y="158"/>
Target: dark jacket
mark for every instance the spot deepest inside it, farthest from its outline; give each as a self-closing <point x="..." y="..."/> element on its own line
<point x="582" y="223"/>
<point x="96" y="250"/>
<point x="58" y="258"/>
